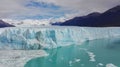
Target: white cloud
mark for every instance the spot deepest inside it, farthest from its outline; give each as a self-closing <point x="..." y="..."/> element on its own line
<point x="82" y="5"/>
<point x="8" y="7"/>
<point x="17" y="9"/>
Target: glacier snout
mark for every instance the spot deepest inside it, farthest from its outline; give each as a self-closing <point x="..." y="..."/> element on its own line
<point x="51" y="37"/>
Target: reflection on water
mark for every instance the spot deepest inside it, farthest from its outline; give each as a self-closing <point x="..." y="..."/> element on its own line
<point x="96" y="53"/>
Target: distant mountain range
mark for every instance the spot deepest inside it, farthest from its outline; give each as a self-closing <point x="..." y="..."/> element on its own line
<point x="109" y="18"/>
<point x="4" y="24"/>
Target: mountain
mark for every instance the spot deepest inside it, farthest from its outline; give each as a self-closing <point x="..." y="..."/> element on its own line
<point x="4" y="24"/>
<point x="109" y="18"/>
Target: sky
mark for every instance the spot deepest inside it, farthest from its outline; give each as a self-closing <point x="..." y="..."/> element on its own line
<point x="46" y="9"/>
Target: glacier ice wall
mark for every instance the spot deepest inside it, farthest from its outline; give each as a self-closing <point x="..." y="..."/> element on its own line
<point x="50" y="37"/>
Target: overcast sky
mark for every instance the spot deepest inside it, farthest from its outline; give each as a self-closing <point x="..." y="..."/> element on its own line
<point x="44" y="9"/>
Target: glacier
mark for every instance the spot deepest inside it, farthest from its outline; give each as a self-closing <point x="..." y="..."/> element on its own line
<point x="18" y="58"/>
<point x="34" y="38"/>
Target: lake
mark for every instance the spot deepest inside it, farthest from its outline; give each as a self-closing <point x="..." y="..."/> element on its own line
<point x="94" y="53"/>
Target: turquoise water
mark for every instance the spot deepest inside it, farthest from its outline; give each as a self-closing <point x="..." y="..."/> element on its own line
<point x="95" y="53"/>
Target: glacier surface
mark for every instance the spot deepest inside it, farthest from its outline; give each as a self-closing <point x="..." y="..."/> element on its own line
<point x="28" y="38"/>
<point x="18" y="58"/>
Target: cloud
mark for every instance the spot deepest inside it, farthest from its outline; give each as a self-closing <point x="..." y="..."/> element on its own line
<point x="93" y="5"/>
<point x="19" y="9"/>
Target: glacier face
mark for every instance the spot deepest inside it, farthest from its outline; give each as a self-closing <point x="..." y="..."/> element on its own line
<point x="27" y="38"/>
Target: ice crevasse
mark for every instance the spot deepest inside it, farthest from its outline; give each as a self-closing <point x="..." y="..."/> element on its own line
<point x="27" y="38"/>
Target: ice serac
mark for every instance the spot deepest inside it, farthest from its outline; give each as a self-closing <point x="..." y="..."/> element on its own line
<point x="51" y="37"/>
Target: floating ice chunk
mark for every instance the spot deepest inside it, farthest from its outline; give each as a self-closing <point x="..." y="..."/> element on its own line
<point x="111" y="65"/>
<point x="92" y="56"/>
<point x="70" y="63"/>
<point x="73" y="61"/>
<point x="100" y="65"/>
<point x="77" y="60"/>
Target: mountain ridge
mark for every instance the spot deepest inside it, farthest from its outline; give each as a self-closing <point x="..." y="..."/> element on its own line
<point x="110" y="17"/>
<point x="5" y="24"/>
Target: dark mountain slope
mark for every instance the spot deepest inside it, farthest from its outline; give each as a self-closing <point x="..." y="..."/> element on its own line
<point x="106" y="19"/>
<point x="4" y="24"/>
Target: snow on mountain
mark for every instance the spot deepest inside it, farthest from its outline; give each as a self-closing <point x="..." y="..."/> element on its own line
<point x="32" y="22"/>
<point x="28" y="22"/>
